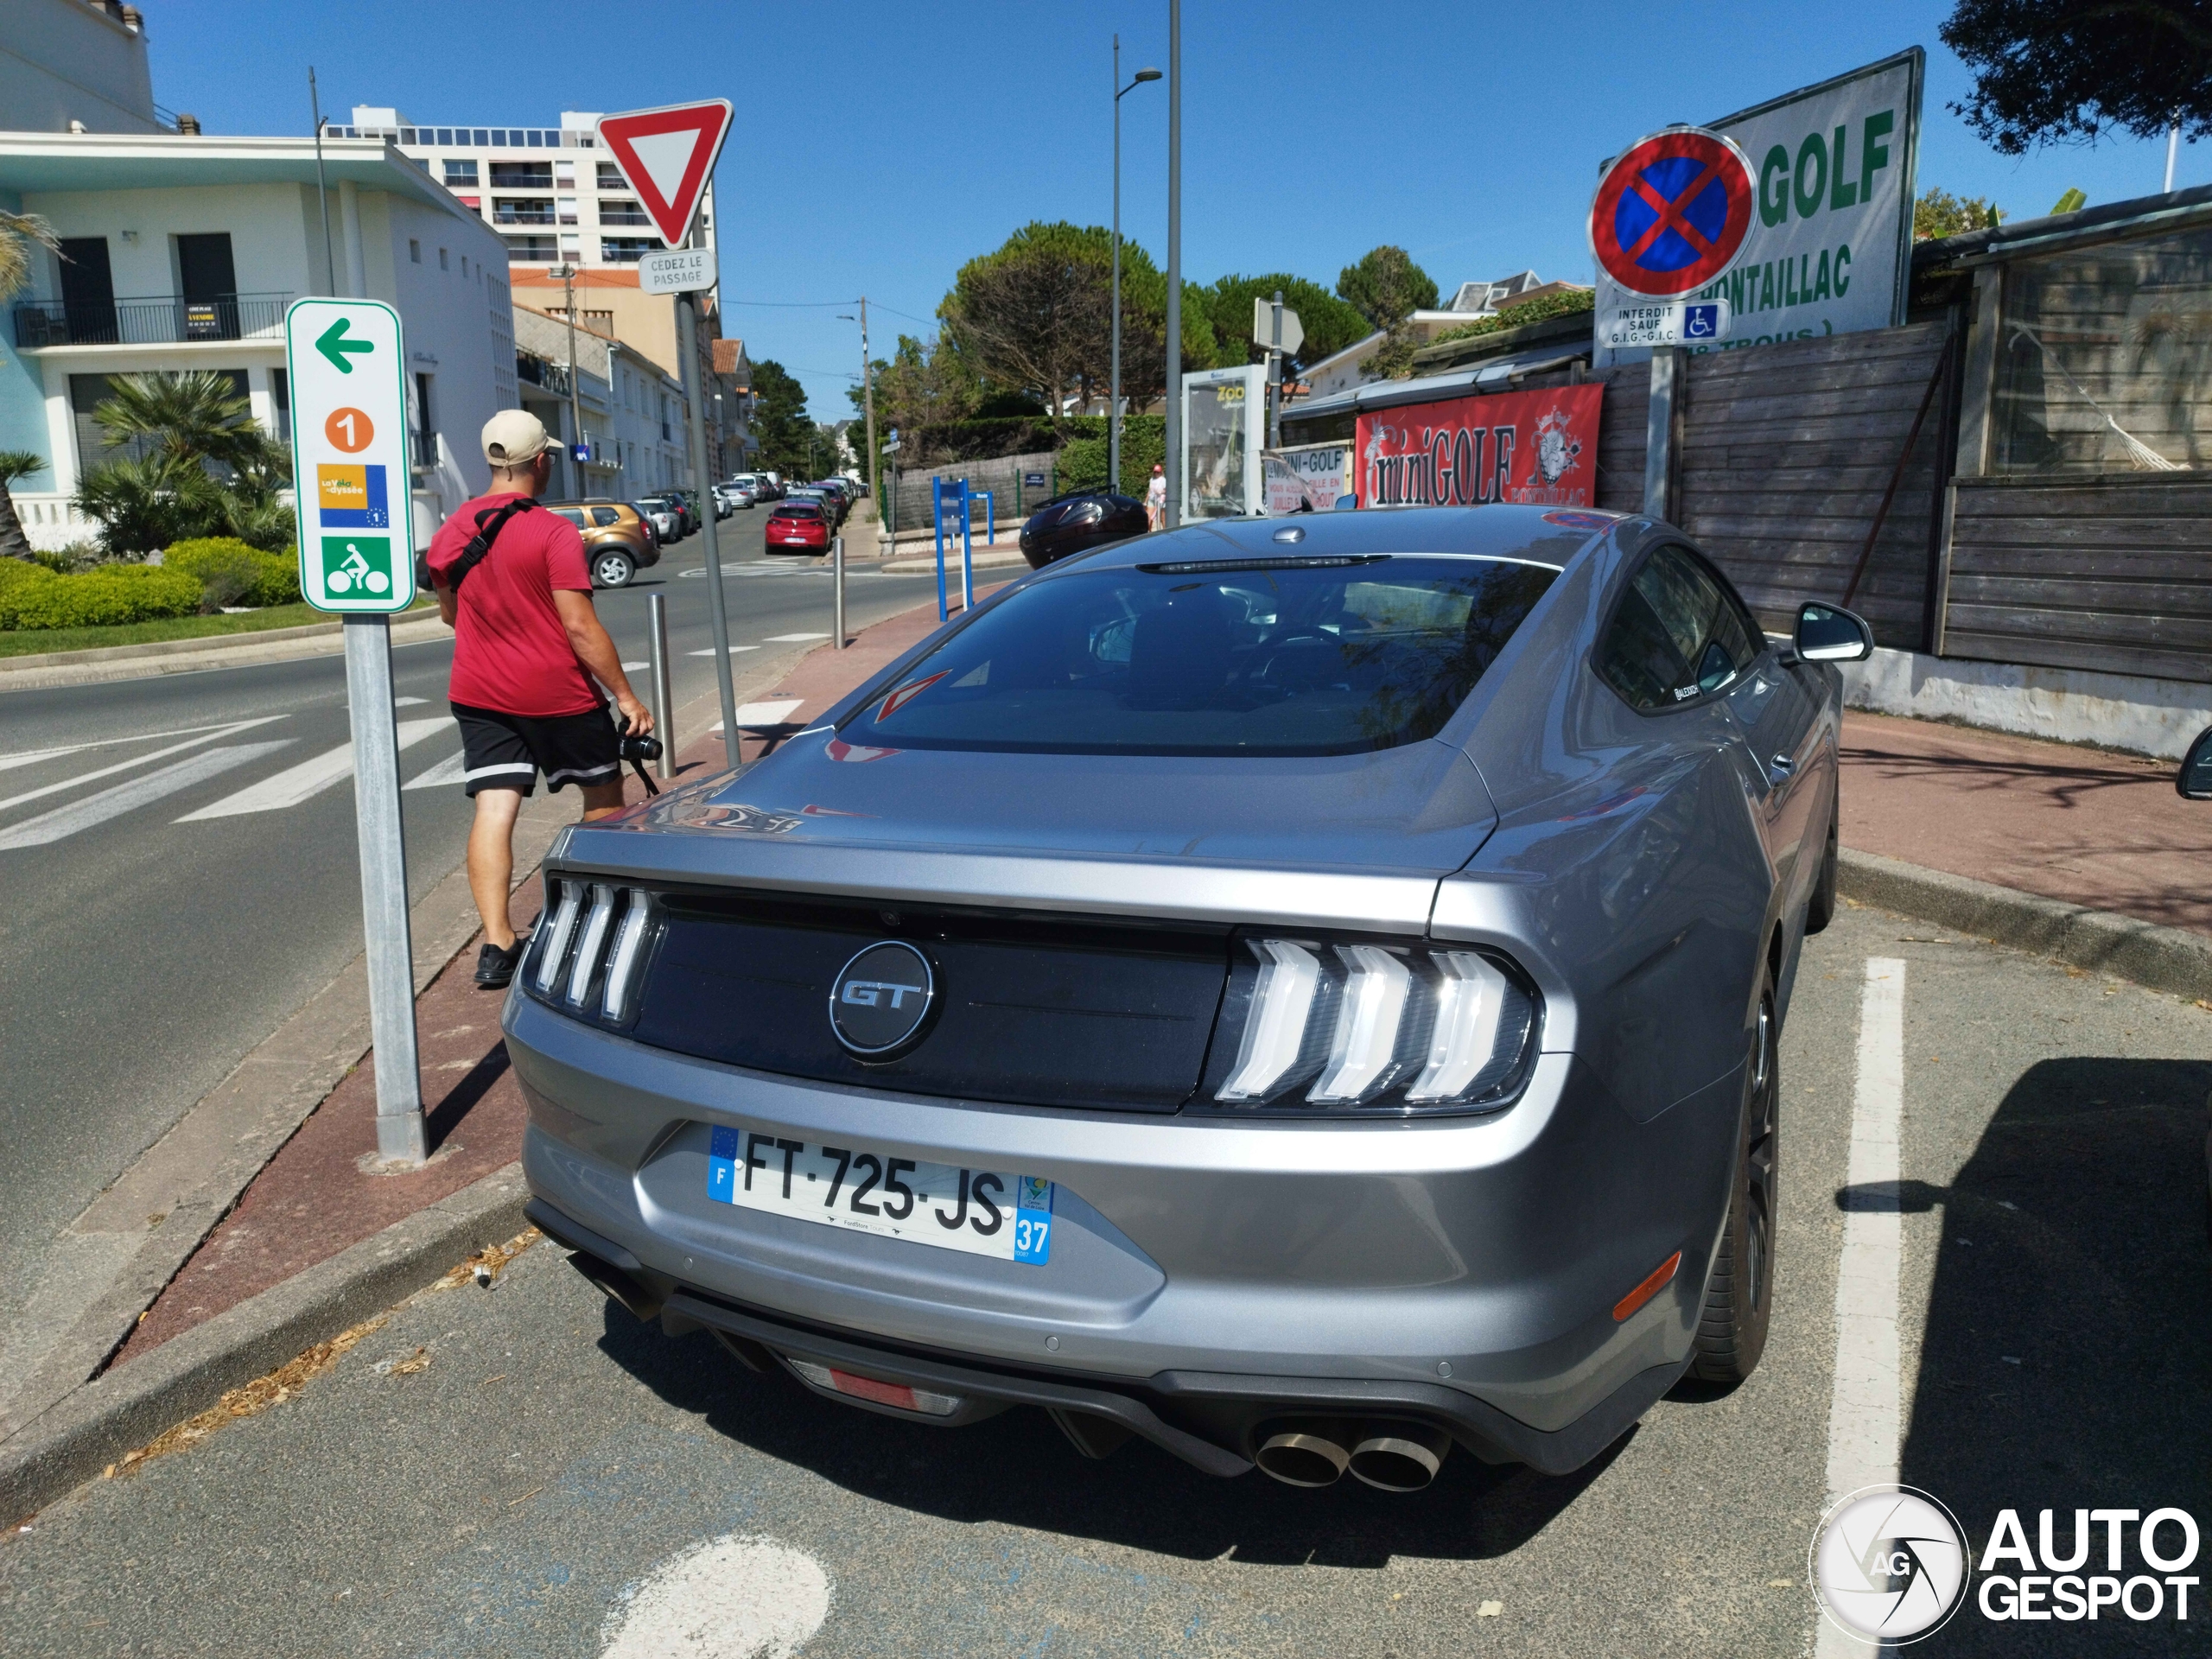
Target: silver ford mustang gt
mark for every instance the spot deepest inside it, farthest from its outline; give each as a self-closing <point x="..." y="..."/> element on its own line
<point x="1305" y="993"/>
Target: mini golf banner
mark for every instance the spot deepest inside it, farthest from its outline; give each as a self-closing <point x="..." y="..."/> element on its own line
<point x="1529" y="449"/>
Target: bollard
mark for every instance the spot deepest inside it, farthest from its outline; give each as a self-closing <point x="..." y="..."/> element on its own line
<point x="837" y="583"/>
<point x="664" y="703"/>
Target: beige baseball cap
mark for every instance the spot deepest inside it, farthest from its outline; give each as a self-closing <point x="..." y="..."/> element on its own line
<point x="513" y="437"/>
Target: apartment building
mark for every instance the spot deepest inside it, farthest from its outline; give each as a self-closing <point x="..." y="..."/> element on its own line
<point x="181" y="252"/>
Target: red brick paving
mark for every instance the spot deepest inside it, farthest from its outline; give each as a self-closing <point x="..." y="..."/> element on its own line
<point x="314" y="1199"/>
<point x="2082" y="825"/>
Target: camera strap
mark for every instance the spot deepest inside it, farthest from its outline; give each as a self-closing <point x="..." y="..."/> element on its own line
<point x="489" y="524"/>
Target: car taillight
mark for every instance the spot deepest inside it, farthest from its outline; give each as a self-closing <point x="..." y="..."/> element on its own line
<point x="588" y="954"/>
<point x="1312" y="1025"/>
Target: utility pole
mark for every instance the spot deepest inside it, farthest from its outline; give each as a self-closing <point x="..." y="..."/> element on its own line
<point x="576" y="377"/>
<point x="1174" y="515"/>
<point x="867" y="400"/>
<point x="1275" y="378"/>
<point x="322" y="189"/>
<point x="2173" y="144"/>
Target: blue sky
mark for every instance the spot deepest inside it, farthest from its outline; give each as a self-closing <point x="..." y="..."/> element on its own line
<point x="877" y="147"/>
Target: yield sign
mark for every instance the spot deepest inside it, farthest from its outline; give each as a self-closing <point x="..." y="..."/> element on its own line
<point x="668" y="154"/>
<point x="1672" y="212"/>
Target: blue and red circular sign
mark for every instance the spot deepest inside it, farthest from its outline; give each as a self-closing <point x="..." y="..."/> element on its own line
<point x="1672" y="212"/>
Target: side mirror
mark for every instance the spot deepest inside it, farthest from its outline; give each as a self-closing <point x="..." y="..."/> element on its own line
<point x="1345" y="504"/>
<point x="1828" y="633"/>
<point x="2194" y="782"/>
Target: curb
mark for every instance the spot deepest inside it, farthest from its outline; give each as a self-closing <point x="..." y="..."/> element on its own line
<point x="47" y="670"/>
<point x="72" y="1442"/>
<point x="2164" y="958"/>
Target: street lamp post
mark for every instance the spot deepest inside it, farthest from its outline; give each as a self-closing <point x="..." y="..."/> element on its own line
<point x="1114" y="392"/>
<point x="1174" y="514"/>
<point x="868" y="401"/>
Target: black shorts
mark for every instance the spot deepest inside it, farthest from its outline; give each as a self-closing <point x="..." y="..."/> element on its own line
<point x="508" y="751"/>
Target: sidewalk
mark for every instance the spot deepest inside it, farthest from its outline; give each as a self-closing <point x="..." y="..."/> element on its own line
<point x="2078" y="826"/>
<point x="314" y="1197"/>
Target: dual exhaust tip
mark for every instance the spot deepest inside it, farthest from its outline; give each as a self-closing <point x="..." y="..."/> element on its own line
<point x="1389" y="1456"/>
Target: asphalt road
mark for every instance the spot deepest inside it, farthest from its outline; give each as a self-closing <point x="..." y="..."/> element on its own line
<point x="526" y="1471"/>
<point x="146" y="951"/>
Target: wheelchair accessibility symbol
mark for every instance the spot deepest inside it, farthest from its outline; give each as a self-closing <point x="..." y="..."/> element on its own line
<point x="1700" y="322"/>
<point x="357" y="565"/>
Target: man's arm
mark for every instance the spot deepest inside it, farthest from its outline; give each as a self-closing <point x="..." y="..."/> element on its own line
<point x="449" y="605"/>
<point x="589" y="638"/>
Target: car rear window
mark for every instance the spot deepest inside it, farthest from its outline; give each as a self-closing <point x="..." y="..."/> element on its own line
<point x="797" y="510"/>
<point x="1264" y="657"/>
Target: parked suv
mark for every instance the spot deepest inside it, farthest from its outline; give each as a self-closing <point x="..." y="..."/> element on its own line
<point x="618" y="541"/>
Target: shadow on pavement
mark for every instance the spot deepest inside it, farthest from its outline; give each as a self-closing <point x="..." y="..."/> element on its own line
<point x="2068" y="1358"/>
<point x="1017" y="1468"/>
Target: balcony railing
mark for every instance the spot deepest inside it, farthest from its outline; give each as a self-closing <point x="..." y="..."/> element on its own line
<point x="623" y="212"/>
<point x="507" y="212"/>
<point x="162" y="320"/>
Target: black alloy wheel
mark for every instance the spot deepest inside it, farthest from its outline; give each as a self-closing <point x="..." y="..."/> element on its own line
<point x="1740" y="1295"/>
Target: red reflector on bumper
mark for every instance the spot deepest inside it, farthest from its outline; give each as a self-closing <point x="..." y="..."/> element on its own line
<point x="1643" y="1294"/>
<point x="867" y="1388"/>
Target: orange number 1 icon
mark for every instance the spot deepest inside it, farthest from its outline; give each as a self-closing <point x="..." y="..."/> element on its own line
<point x="350" y="429"/>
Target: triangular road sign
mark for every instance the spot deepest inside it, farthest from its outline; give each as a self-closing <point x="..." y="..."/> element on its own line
<point x="668" y="154"/>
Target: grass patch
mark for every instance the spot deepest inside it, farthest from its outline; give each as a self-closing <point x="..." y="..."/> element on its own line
<point x="23" y="642"/>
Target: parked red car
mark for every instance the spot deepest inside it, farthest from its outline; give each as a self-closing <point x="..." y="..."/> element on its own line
<point x="796" y="527"/>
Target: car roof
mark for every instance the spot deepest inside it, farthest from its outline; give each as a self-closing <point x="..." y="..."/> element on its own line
<point x="1547" y="535"/>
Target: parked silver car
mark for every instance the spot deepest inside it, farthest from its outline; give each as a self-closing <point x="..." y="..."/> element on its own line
<point x="1308" y="994"/>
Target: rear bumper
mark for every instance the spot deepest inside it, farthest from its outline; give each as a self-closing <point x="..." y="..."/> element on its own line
<point x="1462" y="1271"/>
<point x="1211" y="1421"/>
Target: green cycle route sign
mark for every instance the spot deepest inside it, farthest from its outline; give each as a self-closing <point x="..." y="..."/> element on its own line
<point x="346" y="362"/>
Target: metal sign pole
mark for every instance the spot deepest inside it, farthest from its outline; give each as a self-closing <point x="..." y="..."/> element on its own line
<point x="967" y="550"/>
<point x="664" y="696"/>
<point x="717" y="609"/>
<point x="400" y="1138"/>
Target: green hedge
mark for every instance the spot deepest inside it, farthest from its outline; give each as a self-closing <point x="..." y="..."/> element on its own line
<point x="230" y="572"/>
<point x="33" y="597"/>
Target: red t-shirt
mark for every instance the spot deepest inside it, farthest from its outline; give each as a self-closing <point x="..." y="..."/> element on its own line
<point x="510" y="652"/>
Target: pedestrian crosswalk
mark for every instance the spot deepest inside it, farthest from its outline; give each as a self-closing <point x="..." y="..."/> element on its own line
<point x="197" y="755"/>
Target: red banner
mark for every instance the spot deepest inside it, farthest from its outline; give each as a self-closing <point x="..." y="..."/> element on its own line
<point x="1532" y="449"/>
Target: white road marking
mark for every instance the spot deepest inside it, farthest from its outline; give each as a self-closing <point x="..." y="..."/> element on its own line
<point x="208" y="735"/>
<point x="451" y="770"/>
<point x="792" y="639"/>
<point x="709" y="651"/>
<point x="65" y="821"/>
<point x="761" y="714"/>
<point x="731" y="1598"/>
<point x="409" y="702"/>
<point x="628" y="667"/>
<point x="310" y="778"/>
<point x="30" y="757"/>
<point x="1866" y="1408"/>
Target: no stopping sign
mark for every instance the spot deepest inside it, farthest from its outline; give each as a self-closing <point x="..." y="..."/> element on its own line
<point x="1671" y="212"/>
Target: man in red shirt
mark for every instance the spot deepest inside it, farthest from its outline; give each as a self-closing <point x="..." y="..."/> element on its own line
<point x="527" y="646"/>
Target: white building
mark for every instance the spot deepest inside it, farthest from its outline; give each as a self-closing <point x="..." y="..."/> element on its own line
<point x="1471" y="304"/>
<point x="76" y="66"/>
<point x="181" y="252"/>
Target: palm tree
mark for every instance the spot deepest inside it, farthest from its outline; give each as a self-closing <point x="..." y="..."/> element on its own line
<point x="14" y="464"/>
<point x="197" y="416"/>
<point x="204" y="464"/>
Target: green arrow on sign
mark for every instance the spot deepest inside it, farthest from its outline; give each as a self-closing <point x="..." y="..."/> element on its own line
<point x="334" y="345"/>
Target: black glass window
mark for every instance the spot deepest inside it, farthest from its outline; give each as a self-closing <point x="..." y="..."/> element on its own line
<point x="1261" y="657"/>
<point x="1677" y="635"/>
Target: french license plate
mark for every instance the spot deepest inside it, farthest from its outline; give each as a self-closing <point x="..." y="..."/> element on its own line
<point x="982" y="1211"/>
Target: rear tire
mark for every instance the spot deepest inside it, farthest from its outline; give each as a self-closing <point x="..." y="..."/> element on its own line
<point x="1739" y="1294"/>
<point x="1819" y="909"/>
<point x="612" y="569"/>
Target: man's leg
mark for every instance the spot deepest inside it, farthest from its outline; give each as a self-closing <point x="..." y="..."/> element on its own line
<point x="492" y="860"/>
<point x="600" y="800"/>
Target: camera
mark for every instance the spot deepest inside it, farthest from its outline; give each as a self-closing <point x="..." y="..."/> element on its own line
<point x="646" y="748"/>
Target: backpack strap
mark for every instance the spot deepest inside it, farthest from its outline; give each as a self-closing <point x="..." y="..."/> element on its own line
<point x="479" y="545"/>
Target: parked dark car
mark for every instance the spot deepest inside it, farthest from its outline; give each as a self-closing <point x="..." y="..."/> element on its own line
<point x="1078" y="521"/>
<point x="797" y="526"/>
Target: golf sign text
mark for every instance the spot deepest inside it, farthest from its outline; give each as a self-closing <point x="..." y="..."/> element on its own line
<point x="349" y="451"/>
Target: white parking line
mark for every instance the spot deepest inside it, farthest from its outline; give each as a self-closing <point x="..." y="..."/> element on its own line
<point x="761" y="714"/>
<point x="310" y="778"/>
<point x="65" y="821"/>
<point x="1865" y="1406"/>
<point x="208" y="734"/>
<point x="732" y="1595"/>
<point x="792" y="639"/>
